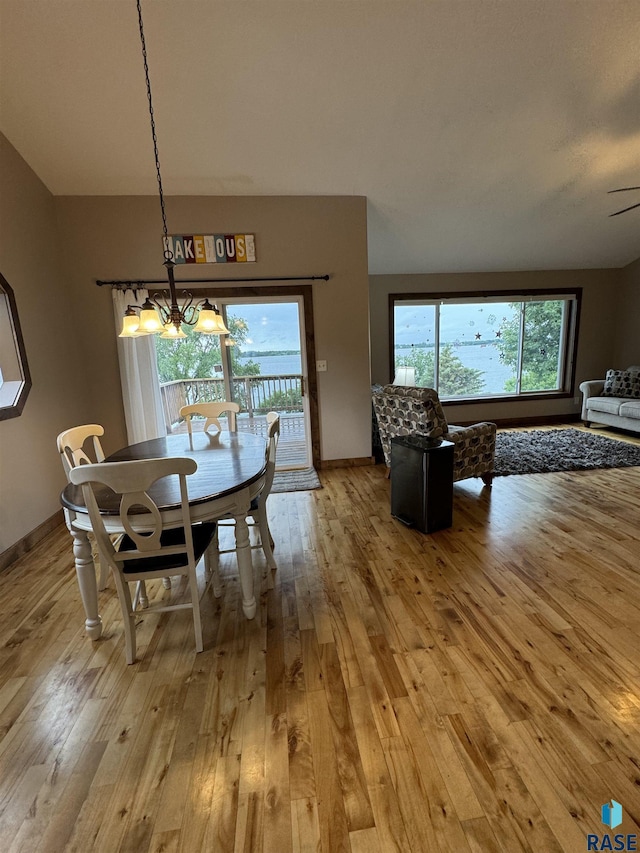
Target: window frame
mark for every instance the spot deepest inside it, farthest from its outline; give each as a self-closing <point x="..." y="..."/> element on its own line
<point x="569" y="346"/>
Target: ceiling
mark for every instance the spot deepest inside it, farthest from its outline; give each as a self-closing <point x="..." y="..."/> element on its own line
<point x="484" y="133"/>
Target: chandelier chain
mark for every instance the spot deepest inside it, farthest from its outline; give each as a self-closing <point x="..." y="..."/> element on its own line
<point x="167" y="252"/>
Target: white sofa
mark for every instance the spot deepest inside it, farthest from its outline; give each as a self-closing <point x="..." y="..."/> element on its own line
<point x="614" y="401"/>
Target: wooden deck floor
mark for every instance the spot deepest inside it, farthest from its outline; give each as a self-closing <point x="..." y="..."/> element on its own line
<point x="472" y="691"/>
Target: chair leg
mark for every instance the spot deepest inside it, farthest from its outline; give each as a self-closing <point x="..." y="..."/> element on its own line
<point x="104" y="575"/>
<point x="128" y="618"/>
<point x="265" y="535"/>
<point x="487" y="479"/>
<point x="141" y="595"/>
<point x="101" y="564"/>
<point x="195" y="604"/>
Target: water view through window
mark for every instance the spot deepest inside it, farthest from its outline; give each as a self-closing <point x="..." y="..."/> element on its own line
<point x="483" y="347"/>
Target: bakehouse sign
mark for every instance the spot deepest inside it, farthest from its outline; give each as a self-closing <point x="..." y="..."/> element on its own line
<point x="212" y="248"/>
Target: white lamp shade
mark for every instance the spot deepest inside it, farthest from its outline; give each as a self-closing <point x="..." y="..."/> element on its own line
<point x="173" y="332"/>
<point x="210" y="323"/>
<point x="150" y="321"/>
<point x="405" y="376"/>
<point x="130" y="325"/>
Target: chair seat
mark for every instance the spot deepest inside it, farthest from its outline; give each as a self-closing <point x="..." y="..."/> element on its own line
<point x="202" y="536"/>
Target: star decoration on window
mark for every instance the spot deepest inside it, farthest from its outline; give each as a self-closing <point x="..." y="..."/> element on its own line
<point x="498" y="334"/>
<point x="543" y="351"/>
<point x="478" y="336"/>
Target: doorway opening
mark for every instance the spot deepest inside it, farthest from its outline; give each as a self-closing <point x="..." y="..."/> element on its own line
<point x="263" y="365"/>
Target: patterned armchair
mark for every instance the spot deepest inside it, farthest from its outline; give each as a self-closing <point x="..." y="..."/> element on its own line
<point x="417" y="411"/>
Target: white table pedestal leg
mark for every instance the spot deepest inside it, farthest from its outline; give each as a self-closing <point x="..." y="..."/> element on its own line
<point x="86" y="573"/>
<point x="245" y="566"/>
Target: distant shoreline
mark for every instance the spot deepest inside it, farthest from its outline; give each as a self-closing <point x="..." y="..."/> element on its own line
<point x="265" y="353"/>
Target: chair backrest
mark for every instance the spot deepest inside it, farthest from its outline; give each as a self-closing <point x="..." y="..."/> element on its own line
<point x="403" y="410"/>
<point x="273" y="424"/>
<point x="71" y="446"/>
<point x="212" y="412"/>
<point x="273" y="434"/>
<point x="138" y="513"/>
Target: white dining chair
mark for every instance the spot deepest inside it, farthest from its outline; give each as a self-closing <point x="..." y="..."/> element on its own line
<point x="211" y="412"/>
<point x="71" y="447"/>
<point x="258" y="509"/>
<point x="148" y="549"/>
<point x="71" y="444"/>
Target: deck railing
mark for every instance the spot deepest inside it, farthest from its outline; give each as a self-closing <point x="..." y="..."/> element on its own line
<point x="256" y="395"/>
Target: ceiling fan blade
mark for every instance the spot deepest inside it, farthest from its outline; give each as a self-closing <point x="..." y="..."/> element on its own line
<point x="623" y="189"/>
<point x="624" y="210"/>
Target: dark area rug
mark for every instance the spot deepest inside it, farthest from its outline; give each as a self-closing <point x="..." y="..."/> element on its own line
<point x="545" y="451"/>
<point x="296" y="481"/>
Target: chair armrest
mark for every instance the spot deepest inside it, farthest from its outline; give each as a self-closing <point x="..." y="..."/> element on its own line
<point x="474" y="449"/>
<point x="591" y="388"/>
<point x="460" y="433"/>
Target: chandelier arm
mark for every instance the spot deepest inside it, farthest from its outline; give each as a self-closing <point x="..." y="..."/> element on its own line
<point x="190" y="313"/>
<point x="163" y="308"/>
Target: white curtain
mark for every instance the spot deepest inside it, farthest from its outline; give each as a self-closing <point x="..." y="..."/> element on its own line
<point x="138" y="375"/>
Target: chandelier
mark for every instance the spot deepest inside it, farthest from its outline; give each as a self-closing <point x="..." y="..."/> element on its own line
<point x="166" y="316"/>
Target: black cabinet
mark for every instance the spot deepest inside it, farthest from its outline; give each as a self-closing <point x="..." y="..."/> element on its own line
<point x="422" y="482"/>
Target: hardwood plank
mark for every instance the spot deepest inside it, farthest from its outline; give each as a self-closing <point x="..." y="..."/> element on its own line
<point x="334" y="832"/>
<point x="305" y="826"/>
<point x="349" y="765"/>
<point x="277" y="797"/>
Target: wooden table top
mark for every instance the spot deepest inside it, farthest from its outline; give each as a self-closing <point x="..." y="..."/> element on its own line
<point x="227" y="462"/>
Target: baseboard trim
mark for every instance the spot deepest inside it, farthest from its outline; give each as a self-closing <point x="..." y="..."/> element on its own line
<point x="347" y="463"/>
<point x="538" y="420"/>
<point x="24" y="545"/>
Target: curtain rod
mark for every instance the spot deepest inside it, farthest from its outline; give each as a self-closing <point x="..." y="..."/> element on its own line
<point x="143" y="282"/>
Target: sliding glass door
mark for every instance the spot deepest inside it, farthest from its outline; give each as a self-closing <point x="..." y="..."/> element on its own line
<point x="261" y="365"/>
<point x="264" y="366"/>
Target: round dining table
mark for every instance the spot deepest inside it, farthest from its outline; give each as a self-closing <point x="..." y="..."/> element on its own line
<point x="230" y="473"/>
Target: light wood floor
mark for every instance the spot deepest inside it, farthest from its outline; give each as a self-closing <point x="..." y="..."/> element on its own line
<point x="473" y="690"/>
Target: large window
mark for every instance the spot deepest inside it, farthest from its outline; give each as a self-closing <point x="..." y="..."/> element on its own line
<point x="490" y="345"/>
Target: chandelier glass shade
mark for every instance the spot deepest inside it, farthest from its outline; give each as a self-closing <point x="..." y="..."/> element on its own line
<point x="167" y="316"/>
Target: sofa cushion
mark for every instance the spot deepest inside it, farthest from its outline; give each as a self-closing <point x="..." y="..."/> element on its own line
<point x="610" y="405"/>
<point x="630" y="409"/>
<point x="622" y="383"/>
